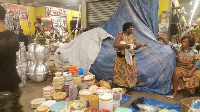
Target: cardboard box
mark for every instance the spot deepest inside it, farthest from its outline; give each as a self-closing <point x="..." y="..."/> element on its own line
<point x="186" y="103"/>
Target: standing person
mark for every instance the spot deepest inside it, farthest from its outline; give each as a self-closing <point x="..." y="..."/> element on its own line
<point x="23" y="38"/>
<point x="186" y="73"/>
<point x="40" y="35"/>
<point x="125" y="75"/>
<point x="9" y="79"/>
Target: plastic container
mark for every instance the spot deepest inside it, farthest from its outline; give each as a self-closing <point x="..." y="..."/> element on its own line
<point x="73" y="91"/>
<point x="120" y="109"/>
<point x="100" y="90"/>
<point x="77" y="80"/>
<point x="67" y="76"/>
<point x="83" y="86"/>
<point x="106" y="101"/>
<point x="94" y="101"/>
<point x="84" y="94"/>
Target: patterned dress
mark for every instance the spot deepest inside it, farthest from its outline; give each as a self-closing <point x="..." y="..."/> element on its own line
<point x="125" y="74"/>
<point x="186" y="60"/>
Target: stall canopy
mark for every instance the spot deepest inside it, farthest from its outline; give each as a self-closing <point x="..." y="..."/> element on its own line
<point x="155" y="62"/>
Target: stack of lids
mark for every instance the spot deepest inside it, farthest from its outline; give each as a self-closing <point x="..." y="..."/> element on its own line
<point x="58" y="81"/>
<point x="48" y="92"/>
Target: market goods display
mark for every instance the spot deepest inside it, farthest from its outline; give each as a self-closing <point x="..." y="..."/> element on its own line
<point x="84" y="94"/>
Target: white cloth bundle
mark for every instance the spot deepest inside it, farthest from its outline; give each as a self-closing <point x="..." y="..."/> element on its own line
<point x="128" y="56"/>
<point x="128" y="53"/>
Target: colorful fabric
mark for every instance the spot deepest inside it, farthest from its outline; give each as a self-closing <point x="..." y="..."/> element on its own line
<point x="186" y="60"/>
<point x="128" y="40"/>
<point x="40" y="36"/>
<point x="124" y="74"/>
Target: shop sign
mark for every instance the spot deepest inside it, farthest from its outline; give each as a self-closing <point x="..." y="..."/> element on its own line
<point x="54" y="11"/>
<point x="17" y="11"/>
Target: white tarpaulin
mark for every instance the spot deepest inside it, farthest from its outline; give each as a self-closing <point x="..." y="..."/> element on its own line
<point x="83" y="50"/>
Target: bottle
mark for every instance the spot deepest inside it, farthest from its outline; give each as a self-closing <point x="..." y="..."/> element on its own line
<point x="73" y="91"/>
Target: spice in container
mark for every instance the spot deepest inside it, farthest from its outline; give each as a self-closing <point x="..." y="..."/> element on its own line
<point x="94" y="101"/>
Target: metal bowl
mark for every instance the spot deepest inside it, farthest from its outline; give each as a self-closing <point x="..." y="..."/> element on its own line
<point x="38" y="72"/>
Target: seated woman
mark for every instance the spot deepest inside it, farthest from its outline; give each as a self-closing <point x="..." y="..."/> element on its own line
<point x="186" y="74"/>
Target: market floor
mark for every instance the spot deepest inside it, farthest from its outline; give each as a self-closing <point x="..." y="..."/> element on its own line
<point x="35" y="90"/>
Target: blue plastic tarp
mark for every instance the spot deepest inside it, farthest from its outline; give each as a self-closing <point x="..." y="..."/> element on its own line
<point x="155" y="62"/>
<point x="125" y="98"/>
<point x="159" y="104"/>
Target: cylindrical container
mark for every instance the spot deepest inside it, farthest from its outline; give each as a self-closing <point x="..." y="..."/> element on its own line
<point x="84" y="94"/>
<point x="94" y="101"/>
<point x="73" y="91"/>
<point x="117" y="93"/>
<point x="100" y="90"/>
<point x="67" y="76"/>
<point x="106" y="101"/>
<point x="116" y="104"/>
<point x="117" y="97"/>
<point x="83" y="86"/>
<point x="66" y="86"/>
<point x="90" y="82"/>
<point x="77" y="80"/>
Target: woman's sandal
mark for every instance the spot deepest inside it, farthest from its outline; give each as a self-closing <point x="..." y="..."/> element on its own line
<point x="170" y="97"/>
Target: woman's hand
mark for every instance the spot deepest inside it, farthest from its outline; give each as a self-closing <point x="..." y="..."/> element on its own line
<point x="191" y="72"/>
<point x="144" y="44"/>
<point x="188" y="75"/>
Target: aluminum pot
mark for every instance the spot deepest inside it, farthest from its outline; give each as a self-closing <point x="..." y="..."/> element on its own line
<point x="32" y="57"/>
<point x="39" y="72"/>
<point x="28" y="57"/>
<point x="42" y="58"/>
<point x="41" y="49"/>
<point x="30" y="64"/>
<point x="31" y="48"/>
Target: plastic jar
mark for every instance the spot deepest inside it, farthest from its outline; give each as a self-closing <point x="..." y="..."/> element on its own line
<point x="106" y="101"/>
<point x="67" y="76"/>
<point x="100" y="90"/>
<point x="77" y="80"/>
<point x="83" y="86"/>
<point x="94" y="101"/>
<point x="84" y="94"/>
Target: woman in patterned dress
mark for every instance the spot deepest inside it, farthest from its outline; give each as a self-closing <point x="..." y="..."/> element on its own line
<point x="125" y="75"/>
<point x="186" y="73"/>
